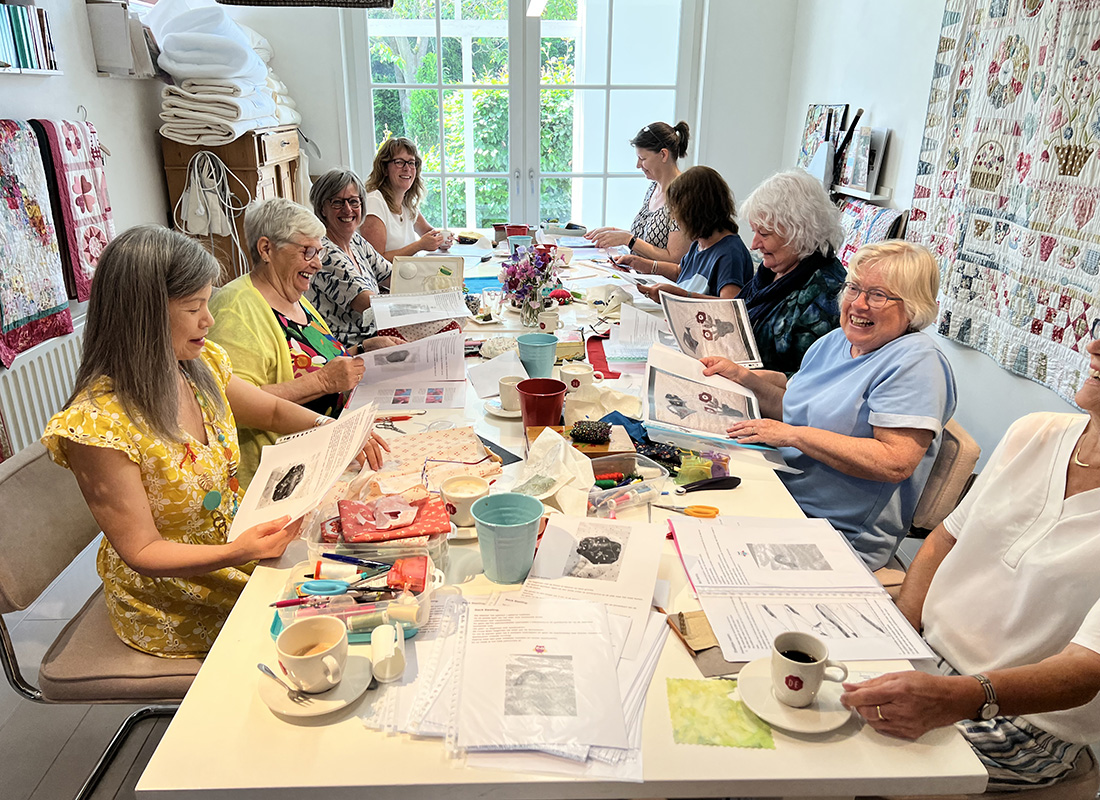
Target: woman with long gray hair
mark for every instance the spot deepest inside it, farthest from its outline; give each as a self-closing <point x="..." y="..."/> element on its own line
<point x="150" y="433"/>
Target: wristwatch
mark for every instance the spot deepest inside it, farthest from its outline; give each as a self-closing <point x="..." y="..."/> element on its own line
<point x="989" y="708"/>
<point x="630" y="246"/>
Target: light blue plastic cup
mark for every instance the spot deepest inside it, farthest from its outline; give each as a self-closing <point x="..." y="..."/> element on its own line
<point x="507" y="529"/>
<point x="537" y="353"/>
<point x="518" y="241"/>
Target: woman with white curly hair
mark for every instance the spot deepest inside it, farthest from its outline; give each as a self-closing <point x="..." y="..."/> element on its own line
<point x="861" y="420"/>
<point x="791" y="299"/>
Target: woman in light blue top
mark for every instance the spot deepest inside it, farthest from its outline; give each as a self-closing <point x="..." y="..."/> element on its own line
<point x="862" y="418"/>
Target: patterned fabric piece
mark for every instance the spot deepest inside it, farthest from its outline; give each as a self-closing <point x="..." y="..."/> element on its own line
<point x="172" y="617"/>
<point x="863" y="224"/>
<point x="311" y="347"/>
<point x="85" y="209"/>
<point x="436" y="455"/>
<point x="653" y="227"/>
<point x="1008" y="181"/>
<point x="1016" y="754"/>
<point x="340" y="281"/>
<point x="33" y="304"/>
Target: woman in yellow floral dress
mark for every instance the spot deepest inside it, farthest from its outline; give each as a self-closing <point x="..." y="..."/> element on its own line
<point x="149" y="433"/>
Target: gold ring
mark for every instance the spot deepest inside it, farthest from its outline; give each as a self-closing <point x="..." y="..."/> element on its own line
<point x="879" y="710"/>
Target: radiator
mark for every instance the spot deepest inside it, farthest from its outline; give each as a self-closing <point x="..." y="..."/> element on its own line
<point x="38" y="384"/>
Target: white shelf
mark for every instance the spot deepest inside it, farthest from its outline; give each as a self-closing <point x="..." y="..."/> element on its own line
<point x="860" y="194"/>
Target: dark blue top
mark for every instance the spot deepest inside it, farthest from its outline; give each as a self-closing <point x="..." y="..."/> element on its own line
<point x="708" y="271"/>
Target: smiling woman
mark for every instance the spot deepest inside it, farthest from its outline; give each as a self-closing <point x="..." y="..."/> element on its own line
<point x="276" y="338"/>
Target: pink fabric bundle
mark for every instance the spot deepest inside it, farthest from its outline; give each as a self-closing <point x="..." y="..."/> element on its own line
<point x="85" y="208"/>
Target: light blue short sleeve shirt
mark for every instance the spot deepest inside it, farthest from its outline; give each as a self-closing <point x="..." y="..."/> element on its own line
<point x="906" y="383"/>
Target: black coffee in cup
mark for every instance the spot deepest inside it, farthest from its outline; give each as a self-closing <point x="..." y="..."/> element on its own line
<point x="798" y="656"/>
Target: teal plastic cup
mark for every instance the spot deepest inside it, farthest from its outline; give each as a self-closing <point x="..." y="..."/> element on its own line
<point x="537" y="353"/>
<point x="518" y="241"/>
<point x="507" y="529"/>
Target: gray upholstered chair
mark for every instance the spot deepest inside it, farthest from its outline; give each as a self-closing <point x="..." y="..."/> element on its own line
<point x="45" y="525"/>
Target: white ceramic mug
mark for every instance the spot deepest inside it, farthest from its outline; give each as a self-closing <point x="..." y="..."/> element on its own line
<point x="577" y="376"/>
<point x="313" y="652"/>
<point x="800" y="662"/>
<point x="549" y="322"/>
<point x="459" y="493"/>
<point x="509" y="395"/>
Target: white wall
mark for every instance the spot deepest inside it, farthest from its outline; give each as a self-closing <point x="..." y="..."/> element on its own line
<point x="879" y="54"/>
<point x="123" y="111"/>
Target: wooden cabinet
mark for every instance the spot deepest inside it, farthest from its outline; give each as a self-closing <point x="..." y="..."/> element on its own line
<point x="264" y="160"/>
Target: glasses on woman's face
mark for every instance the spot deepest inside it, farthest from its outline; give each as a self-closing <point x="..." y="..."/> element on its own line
<point x="876" y="299"/>
<point x="309" y="252"/>
<point x="401" y="163"/>
<point x="1095" y="334"/>
<point x="339" y="202"/>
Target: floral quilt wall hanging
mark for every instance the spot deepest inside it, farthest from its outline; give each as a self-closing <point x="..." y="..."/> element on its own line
<point x="34" y="306"/>
<point x="1008" y="181"/>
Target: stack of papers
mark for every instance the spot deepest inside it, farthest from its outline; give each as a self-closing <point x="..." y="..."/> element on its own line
<point x="758" y="577"/>
<point x="535" y="681"/>
<point x="428" y="373"/>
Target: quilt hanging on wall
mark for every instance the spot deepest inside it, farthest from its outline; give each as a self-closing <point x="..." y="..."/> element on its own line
<point x="1008" y="180"/>
<point x="33" y="303"/>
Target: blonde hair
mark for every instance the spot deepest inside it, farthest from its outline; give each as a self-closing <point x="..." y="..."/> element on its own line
<point x="908" y="270"/>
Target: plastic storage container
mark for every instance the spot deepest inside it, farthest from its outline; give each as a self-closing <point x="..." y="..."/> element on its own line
<point x="435" y="545"/>
<point x="653" y="478"/>
<point x="360" y="619"/>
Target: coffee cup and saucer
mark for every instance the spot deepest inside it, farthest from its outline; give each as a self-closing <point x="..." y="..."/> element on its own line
<point x="797" y="688"/>
<point x="313" y="658"/>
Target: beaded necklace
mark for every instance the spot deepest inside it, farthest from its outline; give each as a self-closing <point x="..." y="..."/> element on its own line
<point x="212" y="500"/>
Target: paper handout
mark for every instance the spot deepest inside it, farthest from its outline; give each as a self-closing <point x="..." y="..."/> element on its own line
<point x="705" y="327"/>
<point x="395" y="310"/>
<point x="428" y="373"/>
<point x="295" y="473"/>
<point x="606" y="561"/>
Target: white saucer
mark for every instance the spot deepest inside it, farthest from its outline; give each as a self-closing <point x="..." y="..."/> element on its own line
<point x="493" y="407"/>
<point x="357" y="676"/>
<point x="754" y="685"/>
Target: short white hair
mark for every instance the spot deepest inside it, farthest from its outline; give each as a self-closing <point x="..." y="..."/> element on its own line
<point x="794" y="204"/>
<point x="279" y="220"/>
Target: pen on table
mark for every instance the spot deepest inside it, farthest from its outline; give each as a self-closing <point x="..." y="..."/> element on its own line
<point x="400" y="415"/>
<point x="360" y="562"/>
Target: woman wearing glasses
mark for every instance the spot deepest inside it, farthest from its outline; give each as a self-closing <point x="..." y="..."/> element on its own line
<point x="862" y="418"/>
<point x="275" y="338"/>
<point x="351" y="270"/>
<point x="392" y="221"/>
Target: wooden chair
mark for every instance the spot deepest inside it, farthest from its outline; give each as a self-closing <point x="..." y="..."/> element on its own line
<point x="45" y="525"/>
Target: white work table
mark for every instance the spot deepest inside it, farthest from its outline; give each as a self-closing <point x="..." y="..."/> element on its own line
<point x="225" y="743"/>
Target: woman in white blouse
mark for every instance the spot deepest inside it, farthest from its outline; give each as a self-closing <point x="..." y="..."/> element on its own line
<point x="392" y="221"/>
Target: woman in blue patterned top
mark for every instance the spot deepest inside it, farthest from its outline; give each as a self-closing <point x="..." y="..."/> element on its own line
<point x="351" y="270"/>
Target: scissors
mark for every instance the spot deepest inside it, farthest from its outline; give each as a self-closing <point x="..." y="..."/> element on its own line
<point x="703" y="512"/>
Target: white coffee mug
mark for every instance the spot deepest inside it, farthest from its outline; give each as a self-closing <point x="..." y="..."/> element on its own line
<point x="509" y="394"/>
<point x="577" y="376"/>
<point x="313" y="652"/>
<point x="459" y="493"/>
<point x="549" y="322"/>
<point x="800" y="662"/>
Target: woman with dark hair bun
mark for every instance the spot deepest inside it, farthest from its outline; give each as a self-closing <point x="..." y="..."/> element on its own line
<point x="653" y="235"/>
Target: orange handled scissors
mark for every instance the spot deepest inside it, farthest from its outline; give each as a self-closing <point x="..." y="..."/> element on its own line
<point x="703" y="512"/>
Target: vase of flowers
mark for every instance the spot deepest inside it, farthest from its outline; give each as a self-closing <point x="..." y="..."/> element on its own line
<point x="524" y="275"/>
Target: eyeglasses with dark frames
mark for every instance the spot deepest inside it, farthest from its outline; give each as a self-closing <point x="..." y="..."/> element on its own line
<point x="401" y="163"/>
<point x="876" y="298"/>
<point x="340" y="202"/>
<point x="309" y="252"/>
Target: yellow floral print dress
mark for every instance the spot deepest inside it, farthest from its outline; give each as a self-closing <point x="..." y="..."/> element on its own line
<point x="171" y="617"/>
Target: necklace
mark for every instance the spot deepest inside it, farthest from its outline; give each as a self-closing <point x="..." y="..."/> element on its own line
<point x="1077" y="458"/>
<point x="212" y="500"/>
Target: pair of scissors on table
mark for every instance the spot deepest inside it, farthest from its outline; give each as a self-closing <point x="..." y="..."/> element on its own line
<point x="702" y="512"/>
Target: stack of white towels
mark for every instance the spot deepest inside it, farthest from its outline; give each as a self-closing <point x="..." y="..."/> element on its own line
<point x="225" y="85"/>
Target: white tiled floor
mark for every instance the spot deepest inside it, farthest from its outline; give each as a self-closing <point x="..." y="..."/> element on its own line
<point x="47" y="751"/>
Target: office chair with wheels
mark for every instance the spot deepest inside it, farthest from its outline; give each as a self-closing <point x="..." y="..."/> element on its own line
<point x="45" y="525"/>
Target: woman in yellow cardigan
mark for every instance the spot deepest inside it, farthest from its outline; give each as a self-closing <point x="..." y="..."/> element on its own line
<point x="275" y="338"/>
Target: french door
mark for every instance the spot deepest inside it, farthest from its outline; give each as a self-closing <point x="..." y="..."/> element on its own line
<point x="517" y="119"/>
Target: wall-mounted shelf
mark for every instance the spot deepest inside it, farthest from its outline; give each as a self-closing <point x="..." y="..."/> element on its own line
<point x="850" y="191"/>
<point x="26" y="41"/>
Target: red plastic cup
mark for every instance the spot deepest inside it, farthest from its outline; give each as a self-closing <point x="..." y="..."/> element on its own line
<point x="517" y="230"/>
<point x="541" y="401"/>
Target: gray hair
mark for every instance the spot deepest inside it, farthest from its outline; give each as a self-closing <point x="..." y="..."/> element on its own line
<point x="278" y="219"/>
<point x="331" y="184"/>
<point x="795" y="205"/>
<point x="128" y="336"/>
<point x="908" y="270"/>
